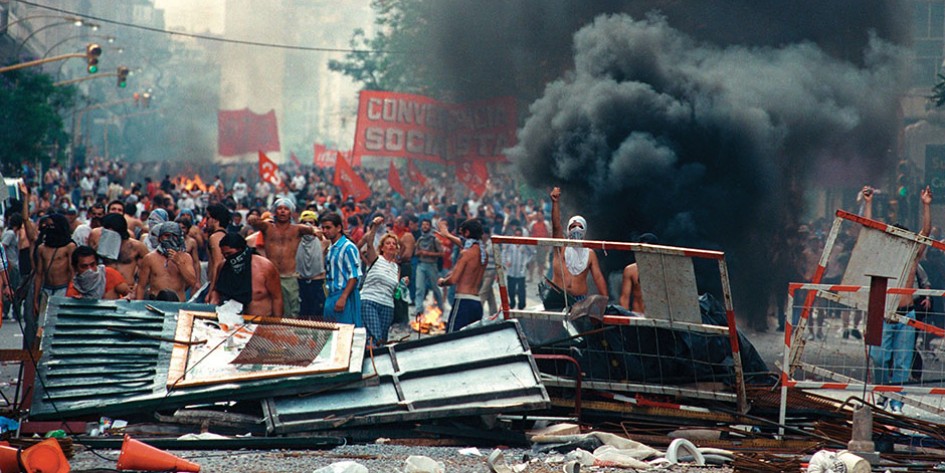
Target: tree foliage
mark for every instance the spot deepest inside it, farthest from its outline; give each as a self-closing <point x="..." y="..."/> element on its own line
<point x="31" y="124"/>
<point x="387" y="61"/>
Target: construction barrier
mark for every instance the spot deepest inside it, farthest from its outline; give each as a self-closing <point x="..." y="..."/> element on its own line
<point x="668" y="352"/>
<point x="825" y="337"/>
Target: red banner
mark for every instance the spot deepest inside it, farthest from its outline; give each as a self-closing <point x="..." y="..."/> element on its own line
<point x="349" y="181"/>
<point x="242" y="131"/>
<point x="295" y="159"/>
<point x="473" y="174"/>
<point x="413" y="172"/>
<point x="393" y="178"/>
<point x="325" y="157"/>
<point x="417" y="127"/>
<point x="269" y="170"/>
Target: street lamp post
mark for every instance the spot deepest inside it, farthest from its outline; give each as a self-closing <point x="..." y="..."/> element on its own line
<point x="108" y="38"/>
<point x="78" y="22"/>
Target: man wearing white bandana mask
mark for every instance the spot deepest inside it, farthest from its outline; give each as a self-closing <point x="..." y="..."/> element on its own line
<point x="570" y="265"/>
<point x="93" y="280"/>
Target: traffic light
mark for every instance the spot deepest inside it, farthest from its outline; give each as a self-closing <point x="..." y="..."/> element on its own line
<point x="122" y="76"/>
<point x="146" y="100"/>
<point x="903" y="179"/>
<point x="92" y="52"/>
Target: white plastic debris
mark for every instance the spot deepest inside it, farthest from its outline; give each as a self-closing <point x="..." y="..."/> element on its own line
<point x="229" y="313"/>
<point x="608" y="455"/>
<point x="422" y="464"/>
<point x="581" y="456"/>
<point x="497" y="463"/>
<point x="470" y="452"/>
<point x="202" y="436"/>
<point x="672" y="453"/>
<point x="382" y="441"/>
<point x="843" y="461"/>
<point x="343" y="467"/>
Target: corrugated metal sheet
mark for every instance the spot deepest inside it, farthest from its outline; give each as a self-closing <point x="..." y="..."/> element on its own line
<point x="476" y="371"/>
<point x="88" y="368"/>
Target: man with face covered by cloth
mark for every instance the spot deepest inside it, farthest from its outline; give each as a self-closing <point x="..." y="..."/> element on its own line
<point x="167" y="267"/>
<point x="157" y="217"/>
<point x="282" y="244"/>
<point x="118" y="249"/>
<point x="93" y="280"/>
<point x="53" y="259"/>
<point x="247" y="278"/>
<point x="570" y="266"/>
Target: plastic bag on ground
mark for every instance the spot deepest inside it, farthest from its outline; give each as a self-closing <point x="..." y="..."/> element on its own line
<point x="421" y="464"/>
<point x="343" y="467"/>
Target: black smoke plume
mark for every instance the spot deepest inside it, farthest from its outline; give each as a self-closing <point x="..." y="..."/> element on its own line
<point x="705" y="145"/>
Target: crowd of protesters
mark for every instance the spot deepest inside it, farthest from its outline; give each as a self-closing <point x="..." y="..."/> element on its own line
<point x="300" y="249"/>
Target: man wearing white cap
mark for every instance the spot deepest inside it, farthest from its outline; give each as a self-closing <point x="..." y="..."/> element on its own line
<point x="282" y="244"/>
<point x="570" y="266"/>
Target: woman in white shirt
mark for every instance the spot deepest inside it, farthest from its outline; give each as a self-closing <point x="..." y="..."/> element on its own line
<point x="380" y="281"/>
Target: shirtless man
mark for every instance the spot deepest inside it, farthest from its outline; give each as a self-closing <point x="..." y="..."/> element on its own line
<point x="190" y="244"/>
<point x="247" y="278"/>
<point x="54" y="260"/>
<point x="282" y="243"/>
<point x="570" y="266"/>
<point x="630" y="292"/>
<point x="166" y="267"/>
<point x="130" y="252"/>
<point x="467" y="277"/>
<point x="135" y="226"/>
<point x="217" y="218"/>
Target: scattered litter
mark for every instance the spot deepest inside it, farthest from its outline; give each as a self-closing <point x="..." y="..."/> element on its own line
<point x="672" y="453"/>
<point x="343" y="467"/>
<point x="229" y="313"/>
<point x="203" y="436"/>
<point x="382" y="441"/>
<point x="422" y="464"/>
<point x="583" y="457"/>
<point x="470" y="452"/>
<point x="497" y="463"/>
<point x="826" y="461"/>
<point x="7" y="424"/>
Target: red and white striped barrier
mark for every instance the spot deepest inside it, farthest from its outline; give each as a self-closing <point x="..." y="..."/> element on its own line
<point x="499" y="240"/>
<point x="793" y="340"/>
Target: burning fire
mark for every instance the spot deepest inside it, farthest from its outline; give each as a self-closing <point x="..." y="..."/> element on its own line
<point x="430" y="321"/>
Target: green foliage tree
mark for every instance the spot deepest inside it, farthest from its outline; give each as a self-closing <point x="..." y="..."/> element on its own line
<point x="31" y="125"/>
<point x="387" y="60"/>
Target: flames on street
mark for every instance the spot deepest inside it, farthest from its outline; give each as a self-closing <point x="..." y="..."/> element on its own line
<point x="430" y="321"/>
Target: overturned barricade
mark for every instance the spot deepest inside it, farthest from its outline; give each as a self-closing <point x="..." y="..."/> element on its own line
<point x="119" y="357"/>
<point x="899" y="354"/>
<point x="685" y="346"/>
<point x="476" y="371"/>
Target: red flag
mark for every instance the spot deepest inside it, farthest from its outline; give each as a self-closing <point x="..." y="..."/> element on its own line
<point x="295" y="160"/>
<point x="393" y="177"/>
<point x="349" y="181"/>
<point x="413" y="172"/>
<point x="269" y="170"/>
<point x="474" y="175"/>
<point x="324" y="157"/>
<point x="242" y="131"/>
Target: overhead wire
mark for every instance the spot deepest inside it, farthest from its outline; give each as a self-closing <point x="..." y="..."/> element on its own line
<point x="204" y="36"/>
